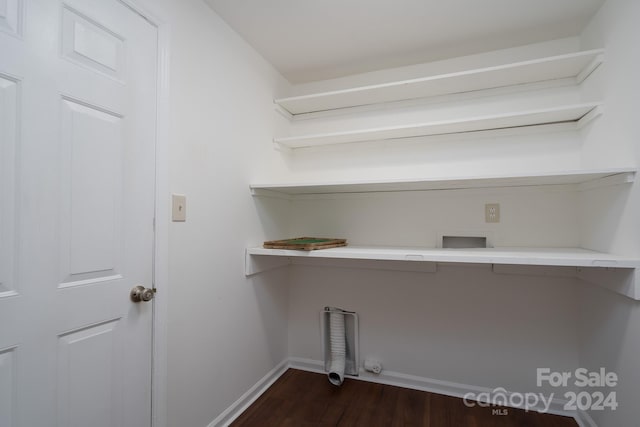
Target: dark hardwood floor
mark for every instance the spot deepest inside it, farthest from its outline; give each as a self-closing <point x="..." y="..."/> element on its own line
<point x="300" y="399"/>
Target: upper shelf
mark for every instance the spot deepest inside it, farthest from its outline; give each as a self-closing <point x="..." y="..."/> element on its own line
<point x="575" y="115"/>
<point x="572" y="65"/>
<point x="584" y="178"/>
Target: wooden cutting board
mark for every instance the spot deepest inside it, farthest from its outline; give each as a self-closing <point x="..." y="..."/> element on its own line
<point x="305" y="243"/>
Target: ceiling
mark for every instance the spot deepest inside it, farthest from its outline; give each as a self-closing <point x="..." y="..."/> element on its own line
<point x="314" y="40"/>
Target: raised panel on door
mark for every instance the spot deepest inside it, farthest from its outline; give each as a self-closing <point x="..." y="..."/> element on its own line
<point x="90" y="374"/>
<point x="7" y="387"/>
<point x="8" y="147"/>
<point x="11" y="16"/>
<point x="91" y="202"/>
<point x="91" y="44"/>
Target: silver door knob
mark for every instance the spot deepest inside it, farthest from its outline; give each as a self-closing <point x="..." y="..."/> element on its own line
<point x="140" y="293"/>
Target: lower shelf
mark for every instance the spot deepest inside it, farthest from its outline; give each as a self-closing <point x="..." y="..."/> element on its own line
<point x="617" y="273"/>
<point x="567" y="257"/>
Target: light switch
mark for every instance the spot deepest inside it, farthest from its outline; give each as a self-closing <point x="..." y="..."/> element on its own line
<point x="178" y="207"/>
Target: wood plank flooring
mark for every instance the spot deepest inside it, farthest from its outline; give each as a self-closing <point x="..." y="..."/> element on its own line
<point x="301" y="399"/>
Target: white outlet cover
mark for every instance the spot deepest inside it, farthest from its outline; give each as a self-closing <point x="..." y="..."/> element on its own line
<point x="178" y="207"/>
<point x="492" y="212"/>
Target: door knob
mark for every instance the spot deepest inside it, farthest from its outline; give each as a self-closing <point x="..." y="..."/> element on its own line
<point x="140" y="293"/>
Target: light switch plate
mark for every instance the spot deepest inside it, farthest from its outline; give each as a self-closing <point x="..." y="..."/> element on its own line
<point x="178" y="207"/>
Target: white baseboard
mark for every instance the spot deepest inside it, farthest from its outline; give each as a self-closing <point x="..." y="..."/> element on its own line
<point x="431" y="385"/>
<point x="398" y="379"/>
<point x="241" y="405"/>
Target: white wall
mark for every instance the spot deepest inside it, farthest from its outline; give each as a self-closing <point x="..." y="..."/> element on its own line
<point x="537" y="216"/>
<point x="464" y="323"/>
<point x="610" y="324"/>
<point x="485" y="59"/>
<point x="461" y="324"/>
<point x="225" y="332"/>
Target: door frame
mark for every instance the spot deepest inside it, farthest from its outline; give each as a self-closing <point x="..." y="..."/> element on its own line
<point x="156" y="18"/>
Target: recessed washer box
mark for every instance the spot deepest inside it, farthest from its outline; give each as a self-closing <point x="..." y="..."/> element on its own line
<point x="464" y="242"/>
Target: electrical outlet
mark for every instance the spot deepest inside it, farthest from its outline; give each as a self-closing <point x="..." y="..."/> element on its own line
<point x="178" y="207"/>
<point x="492" y="212"/>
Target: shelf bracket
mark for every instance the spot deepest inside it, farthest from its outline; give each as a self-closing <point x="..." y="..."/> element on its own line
<point x="533" y="270"/>
<point x="254" y="264"/>
<point x="586" y="72"/>
<point x="624" y="281"/>
<point x="278" y="146"/>
<point x="368" y="264"/>
<point x="280" y="110"/>
<point x="590" y="116"/>
<point x="261" y="192"/>
<point x="608" y="181"/>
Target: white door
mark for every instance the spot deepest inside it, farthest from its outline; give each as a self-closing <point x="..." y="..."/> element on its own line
<point x="77" y="144"/>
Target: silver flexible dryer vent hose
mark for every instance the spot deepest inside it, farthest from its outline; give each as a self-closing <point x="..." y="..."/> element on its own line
<point x="338" y="346"/>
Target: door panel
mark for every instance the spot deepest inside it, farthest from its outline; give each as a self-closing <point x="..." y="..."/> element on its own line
<point x="10" y="16"/>
<point x="77" y="184"/>
<point x="91" y="149"/>
<point x="7" y="386"/>
<point x="90" y="44"/>
<point x="8" y="121"/>
<point x="90" y="396"/>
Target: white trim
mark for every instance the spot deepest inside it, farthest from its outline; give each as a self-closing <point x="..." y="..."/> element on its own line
<point x="162" y="215"/>
<point x="155" y="17"/>
<point x="414" y="382"/>
<point x="241" y="405"/>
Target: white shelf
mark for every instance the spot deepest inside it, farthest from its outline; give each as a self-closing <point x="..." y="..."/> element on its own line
<point x="584" y="178"/>
<point x="573" y="65"/>
<point x="616" y="273"/>
<point x="557" y="257"/>
<point x="576" y="115"/>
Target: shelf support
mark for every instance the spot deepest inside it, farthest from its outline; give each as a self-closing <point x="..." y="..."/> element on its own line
<point x="608" y="181"/>
<point x="623" y="281"/>
<point x="261" y="192"/>
<point x="254" y="264"/>
<point x="586" y="72"/>
<point x="280" y="110"/>
<point x="278" y="146"/>
<point x="367" y="264"/>
<point x="590" y="116"/>
<point x="533" y="270"/>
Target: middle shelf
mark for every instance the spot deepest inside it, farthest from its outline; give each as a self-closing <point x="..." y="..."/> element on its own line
<point x="575" y="116"/>
<point x="584" y="179"/>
